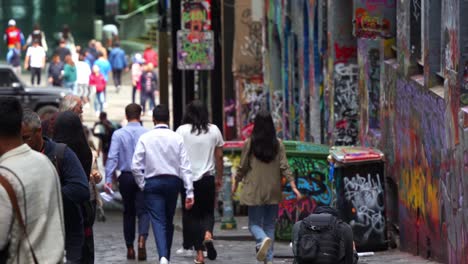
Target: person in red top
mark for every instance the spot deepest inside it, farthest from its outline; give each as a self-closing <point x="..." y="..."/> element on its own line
<point x="13" y="35"/>
<point x="150" y="56"/>
<point x="97" y="81"/>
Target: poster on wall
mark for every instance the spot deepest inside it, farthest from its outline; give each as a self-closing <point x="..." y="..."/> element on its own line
<point x="374" y="19"/>
<point x="112" y="7"/>
<point x="195" y="50"/>
<point x="196" y="15"/>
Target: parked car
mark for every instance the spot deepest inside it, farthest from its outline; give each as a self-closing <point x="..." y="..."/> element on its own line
<point x="43" y="100"/>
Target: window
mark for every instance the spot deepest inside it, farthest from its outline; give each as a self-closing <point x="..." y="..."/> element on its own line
<point x="415" y="31"/>
<point x="6" y="79"/>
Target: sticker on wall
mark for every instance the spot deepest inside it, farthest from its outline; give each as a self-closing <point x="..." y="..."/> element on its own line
<point x="195" y="50"/>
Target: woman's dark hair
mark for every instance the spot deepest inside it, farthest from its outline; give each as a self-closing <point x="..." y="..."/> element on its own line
<point x="69" y="130"/>
<point x="197" y="116"/>
<point x="264" y="145"/>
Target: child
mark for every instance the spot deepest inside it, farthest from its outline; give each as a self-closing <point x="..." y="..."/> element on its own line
<point x="136" y="74"/>
<point x="97" y="80"/>
<point x="149" y="85"/>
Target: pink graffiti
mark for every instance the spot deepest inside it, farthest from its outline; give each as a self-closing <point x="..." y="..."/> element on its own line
<point x="344" y="54"/>
<point x="372" y="5"/>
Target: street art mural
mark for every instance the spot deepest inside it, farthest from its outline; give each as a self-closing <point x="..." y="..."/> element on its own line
<point x="346" y="104"/>
<point x="309" y="164"/>
<point x="373" y="20"/>
<point x="313" y="182"/>
<point x="196" y="15"/>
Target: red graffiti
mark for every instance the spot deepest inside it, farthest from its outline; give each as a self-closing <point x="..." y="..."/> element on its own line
<point x="372" y="5"/>
<point x="368" y="26"/>
<point x="344" y="54"/>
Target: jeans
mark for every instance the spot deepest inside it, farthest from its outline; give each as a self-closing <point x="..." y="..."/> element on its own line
<point x="99" y="102"/>
<point x="134" y="90"/>
<point x="200" y="218"/>
<point x="36" y="72"/>
<point x="145" y="95"/>
<point x="262" y="220"/>
<point x="161" y="200"/>
<point x="134" y="206"/>
<point x="70" y="85"/>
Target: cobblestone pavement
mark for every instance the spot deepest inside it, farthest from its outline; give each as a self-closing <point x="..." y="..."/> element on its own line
<point x="110" y="246"/>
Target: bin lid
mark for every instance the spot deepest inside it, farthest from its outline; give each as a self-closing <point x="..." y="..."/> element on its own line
<point x="355" y="154"/>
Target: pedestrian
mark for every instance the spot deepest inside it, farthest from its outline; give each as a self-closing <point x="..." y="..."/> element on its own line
<point x="69" y="130"/>
<point x="62" y="50"/>
<point x="118" y="63"/>
<point x="137" y="70"/>
<point x="105" y="68"/>
<point x="14" y="58"/>
<point x="97" y="82"/>
<point x="263" y="163"/>
<point x="55" y="72"/>
<point x="37" y="34"/>
<point x="150" y="55"/>
<point x="74" y="183"/>
<point x="120" y="158"/>
<point x="31" y="225"/>
<point x="69" y="74"/>
<point x="103" y="129"/>
<point x="67" y="36"/>
<point x="83" y="71"/>
<point x="13" y="35"/>
<point x="149" y="86"/>
<point x="35" y="61"/>
<point x="160" y="166"/>
<point x="331" y="242"/>
<point x="101" y="49"/>
<point x="93" y="54"/>
<point x="204" y="143"/>
<point x="111" y="34"/>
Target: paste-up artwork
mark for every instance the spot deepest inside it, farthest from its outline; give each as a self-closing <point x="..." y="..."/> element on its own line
<point x="195" y="52"/>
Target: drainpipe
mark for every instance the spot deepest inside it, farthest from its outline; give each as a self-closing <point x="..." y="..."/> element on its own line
<point x="228" y="222"/>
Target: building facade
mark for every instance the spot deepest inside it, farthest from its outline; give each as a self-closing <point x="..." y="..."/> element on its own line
<point x="391" y="74"/>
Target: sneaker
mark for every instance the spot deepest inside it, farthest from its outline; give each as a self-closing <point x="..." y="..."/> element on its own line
<point x="263" y="249"/>
<point x="185" y="252"/>
<point x="163" y="260"/>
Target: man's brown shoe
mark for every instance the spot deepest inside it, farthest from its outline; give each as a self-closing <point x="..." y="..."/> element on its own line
<point x="130" y="253"/>
<point x="141" y="248"/>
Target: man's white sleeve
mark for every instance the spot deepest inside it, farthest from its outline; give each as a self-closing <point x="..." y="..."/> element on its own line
<point x="138" y="164"/>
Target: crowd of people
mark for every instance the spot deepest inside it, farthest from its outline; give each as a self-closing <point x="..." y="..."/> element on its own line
<point x="48" y="171"/>
<point x="83" y="71"/>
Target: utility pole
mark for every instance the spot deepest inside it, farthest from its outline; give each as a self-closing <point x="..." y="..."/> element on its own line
<point x="163" y="50"/>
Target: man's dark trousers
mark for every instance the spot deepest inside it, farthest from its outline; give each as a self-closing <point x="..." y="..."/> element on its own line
<point x="133" y="206"/>
<point x="161" y="200"/>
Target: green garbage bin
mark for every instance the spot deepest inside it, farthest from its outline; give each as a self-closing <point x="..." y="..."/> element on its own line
<point x="360" y="185"/>
<point x="310" y="167"/>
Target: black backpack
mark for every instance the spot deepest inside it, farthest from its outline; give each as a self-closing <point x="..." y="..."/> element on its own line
<point x="318" y="240"/>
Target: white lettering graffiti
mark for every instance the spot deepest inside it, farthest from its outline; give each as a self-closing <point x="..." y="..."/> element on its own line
<point x="366" y="196"/>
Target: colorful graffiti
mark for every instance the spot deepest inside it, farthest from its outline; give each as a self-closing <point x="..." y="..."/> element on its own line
<point x="346" y="105"/>
<point x="195" y="52"/>
<point x="196" y="15"/>
<point x="369" y="26"/>
<point x="252" y="99"/>
<point x="464" y="90"/>
<point x="313" y="182"/>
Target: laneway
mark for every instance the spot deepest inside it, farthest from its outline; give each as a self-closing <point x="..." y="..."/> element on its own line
<point x="110" y="247"/>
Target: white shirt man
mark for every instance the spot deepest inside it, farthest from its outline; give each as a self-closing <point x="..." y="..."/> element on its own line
<point x="36" y="55"/>
<point x="160" y="165"/>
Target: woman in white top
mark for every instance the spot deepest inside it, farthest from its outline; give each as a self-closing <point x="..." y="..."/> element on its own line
<point x="204" y="144"/>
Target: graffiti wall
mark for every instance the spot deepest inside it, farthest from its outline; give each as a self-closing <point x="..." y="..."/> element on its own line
<point x="247" y="58"/>
<point x="346" y="104"/>
<point x="362" y="203"/>
<point x="252" y="98"/>
<point x="310" y="167"/>
<point x="313" y="182"/>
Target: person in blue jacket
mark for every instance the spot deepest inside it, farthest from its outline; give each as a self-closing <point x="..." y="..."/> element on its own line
<point x="118" y="63"/>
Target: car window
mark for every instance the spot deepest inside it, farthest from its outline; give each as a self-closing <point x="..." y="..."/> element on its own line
<point x="6" y="79"/>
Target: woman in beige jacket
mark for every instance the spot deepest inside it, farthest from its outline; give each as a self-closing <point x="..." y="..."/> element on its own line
<point x="263" y="162"/>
